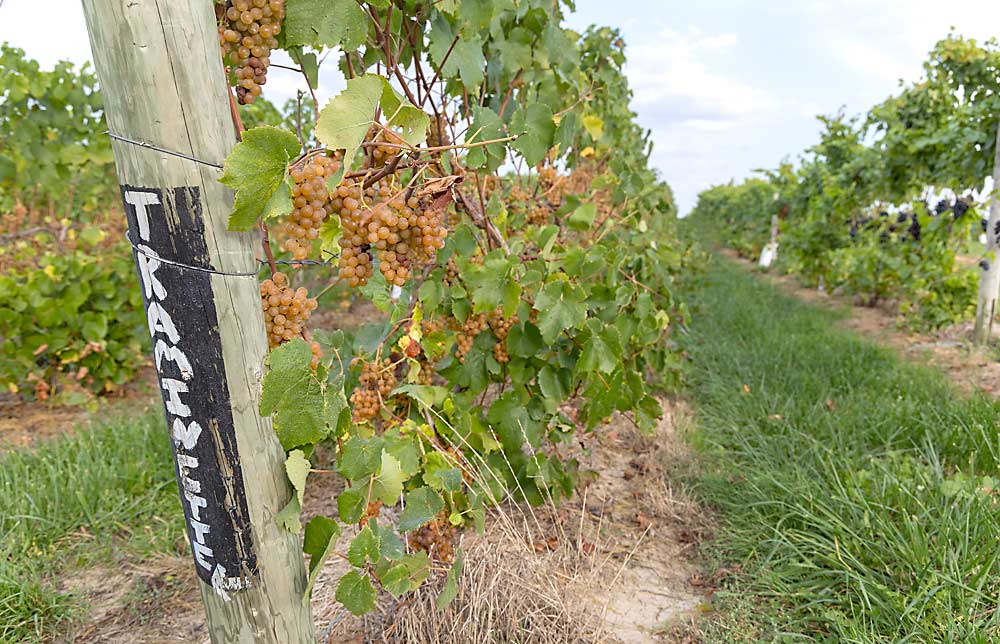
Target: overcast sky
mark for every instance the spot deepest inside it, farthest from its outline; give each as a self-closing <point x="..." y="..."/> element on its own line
<point x="726" y="86"/>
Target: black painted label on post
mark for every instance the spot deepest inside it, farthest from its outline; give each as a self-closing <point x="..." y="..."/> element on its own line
<point x="167" y="226"/>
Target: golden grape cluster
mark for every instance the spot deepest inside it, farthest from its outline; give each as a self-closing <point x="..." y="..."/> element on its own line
<point x="379" y="155"/>
<point x="473" y="326"/>
<point x="376" y="382"/>
<point x="285" y="309"/>
<point x="401" y="232"/>
<point x="436" y="538"/>
<point x="311" y="204"/>
<point x="247" y="33"/>
<point x="501" y="327"/>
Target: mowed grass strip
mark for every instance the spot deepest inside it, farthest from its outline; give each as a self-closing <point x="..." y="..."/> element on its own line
<point x="95" y="498"/>
<point x="857" y="492"/>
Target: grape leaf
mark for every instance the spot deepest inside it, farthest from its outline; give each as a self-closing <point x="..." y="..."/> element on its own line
<point x="361" y="457"/>
<point x="351" y="504"/>
<point x="293" y="396"/>
<point x="420" y="507"/>
<point x="602" y="352"/>
<point x="321" y="534"/>
<point x="288" y="518"/>
<point x="450" y="589"/>
<point x="257" y="170"/>
<point x="486" y="126"/>
<point x="390" y="546"/>
<point x="583" y="217"/>
<point x="324" y="23"/>
<point x="356" y="593"/>
<point x="297" y="468"/>
<point x="345" y="120"/>
<point x="594" y="126"/>
<point x="411" y="121"/>
<point x="536" y="129"/>
<point x="388" y="485"/>
<point x="364" y="547"/>
<point x="406" y="575"/>
<point x="561" y="307"/>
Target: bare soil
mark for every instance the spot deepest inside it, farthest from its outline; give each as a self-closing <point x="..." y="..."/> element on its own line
<point x="617" y="563"/>
<point x="26" y="423"/>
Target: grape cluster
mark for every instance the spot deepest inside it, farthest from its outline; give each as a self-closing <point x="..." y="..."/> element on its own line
<point x="401" y="231"/>
<point x="501" y="327"/>
<point x="285" y="309"/>
<point x="377" y="381"/>
<point x="311" y="204"/>
<point x="437" y="132"/>
<point x="379" y="155"/>
<point x="247" y="33"/>
<point x="436" y="538"/>
<point x="473" y="326"/>
<point x="451" y="272"/>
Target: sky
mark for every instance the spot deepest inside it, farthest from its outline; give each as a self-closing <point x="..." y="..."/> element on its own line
<point x="725" y="86"/>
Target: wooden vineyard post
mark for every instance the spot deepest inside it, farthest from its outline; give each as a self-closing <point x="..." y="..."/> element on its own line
<point x="163" y="85"/>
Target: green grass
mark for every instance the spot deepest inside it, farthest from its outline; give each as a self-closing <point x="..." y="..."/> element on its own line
<point x="103" y="495"/>
<point x="872" y="519"/>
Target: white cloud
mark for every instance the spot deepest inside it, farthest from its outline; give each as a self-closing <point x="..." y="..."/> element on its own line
<point x="708" y="125"/>
<point x="674" y="72"/>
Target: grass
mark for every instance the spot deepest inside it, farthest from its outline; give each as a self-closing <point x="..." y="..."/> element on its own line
<point x="857" y="492"/>
<point x="102" y="495"/>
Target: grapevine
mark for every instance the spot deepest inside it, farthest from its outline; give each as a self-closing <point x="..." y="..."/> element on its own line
<point x="497" y="285"/>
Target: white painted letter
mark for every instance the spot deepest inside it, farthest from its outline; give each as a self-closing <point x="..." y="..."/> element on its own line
<point x="174" y="405"/>
<point x="163" y="350"/>
<point x="186" y="436"/>
<point x="159" y="322"/>
<point x="147" y="271"/>
<point x="140" y="200"/>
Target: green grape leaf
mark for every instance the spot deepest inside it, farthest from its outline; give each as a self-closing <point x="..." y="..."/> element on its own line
<point x="420" y="507"/>
<point x="467" y="57"/>
<point x="594" y="126"/>
<point x="561" y="306"/>
<point x="324" y="23"/>
<point x="345" y="120"/>
<point x="411" y="121"/>
<point x="356" y="593"/>
<point x="388" y="485"/>
<point x="569" y="125"/>
<point x="602" y="352"/>
<point x="351" y="504"/>
<point x="293" y="396"/>
<point x="361" y="457"/>
<point x="536" y="130"/>
<point x="289" y="517"/>
<point x="554" y="383"/>
<point x="450" y="589"/>
<point x="406" y="575"/>
<point x="321" y="534"/>
<point x="364" y="547"/>
<point x="297" y="468"/>
<point x="257" y="170"/>
<point x="486" y="126"/>
<point x="390" y="546"/>
<point x="583" y="217"/>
